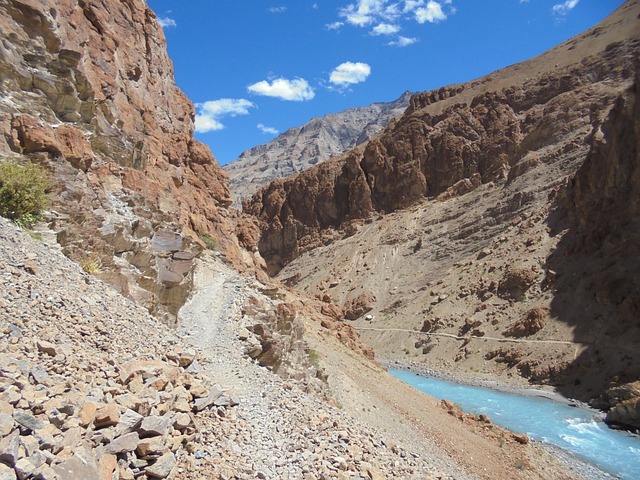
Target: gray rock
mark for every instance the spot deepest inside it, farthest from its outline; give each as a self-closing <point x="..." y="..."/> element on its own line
<point x="6" y="424"/>
<point x="39" y="458"/>
<point x="6" y="473"/>
<point x="45" y="472"/>
<point x="40" y="375"/>
<point x="24" y="469"/>
<point x="128" y="422"/>
<point x="78" y="468"/>
<point x="9" y="448"/>
<point x="27" y="420"/>
<point x="202" y="403"/>
<point x="156" y="425"/>
<point x="11" y="395"/>
<point x="162" y="467"/>
<point x="125" y="443"/>
<point x="166" y="240"/>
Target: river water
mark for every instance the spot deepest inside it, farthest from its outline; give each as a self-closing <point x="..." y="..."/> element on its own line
<point x="578" y="431"/>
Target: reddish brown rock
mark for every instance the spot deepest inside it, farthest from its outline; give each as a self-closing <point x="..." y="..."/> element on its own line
<point x="358" y="306"/>
<point x="531" y="323"/>
<point x="106" y="118"/>
<point x="517" y="280"/>
<point x="332" y="310"/>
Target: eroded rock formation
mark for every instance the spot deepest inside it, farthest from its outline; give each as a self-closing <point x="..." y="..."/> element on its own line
<point x="88" y="91"/>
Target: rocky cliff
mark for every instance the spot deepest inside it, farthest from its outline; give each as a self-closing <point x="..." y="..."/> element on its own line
<point x="314" y="142"/>
<point x="493" y="227"/>
<point x="88" y="91"/>
<point x="454" y="139"/>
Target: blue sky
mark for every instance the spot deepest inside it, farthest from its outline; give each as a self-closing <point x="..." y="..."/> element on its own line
<point x="255" y="68"/>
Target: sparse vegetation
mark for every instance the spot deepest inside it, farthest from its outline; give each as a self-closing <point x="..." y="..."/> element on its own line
<point x="210" y="242"/>
<point x="92" y="265"/>
<point x="520" y="465"/>
<point x="23" y="192"/>
<point x="35" y="235"/>
<point x="314" y="358"/>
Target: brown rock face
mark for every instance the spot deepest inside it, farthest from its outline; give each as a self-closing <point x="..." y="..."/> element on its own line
<point x="531" y="323"/>
<point x="451" y="141"/>
<point x="90" y="93"/>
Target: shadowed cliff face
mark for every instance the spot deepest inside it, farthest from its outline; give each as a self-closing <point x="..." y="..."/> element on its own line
<point x="88" y="90"/>
<point x="597" y="262"/>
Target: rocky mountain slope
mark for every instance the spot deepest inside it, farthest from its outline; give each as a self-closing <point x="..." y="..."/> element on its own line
<point x="480" y="232"/>
<point x="93" y="387"/>
<point x="314" y="142"/>
<point x="87" y="90"/>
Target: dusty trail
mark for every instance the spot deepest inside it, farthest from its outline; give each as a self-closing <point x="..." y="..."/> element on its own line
<point x="277" y="431"/>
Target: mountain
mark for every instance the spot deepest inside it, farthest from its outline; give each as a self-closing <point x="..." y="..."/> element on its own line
<point x="314" y="142"/>
<point x="490" y="230"/>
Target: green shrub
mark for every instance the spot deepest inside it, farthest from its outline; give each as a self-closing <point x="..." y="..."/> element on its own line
<point x="314" y="358"/>
<point x="23" y="192"/>
<point x="210" y="242"/>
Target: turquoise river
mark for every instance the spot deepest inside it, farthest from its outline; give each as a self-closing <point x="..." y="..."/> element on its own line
<point x="578" y="431"/>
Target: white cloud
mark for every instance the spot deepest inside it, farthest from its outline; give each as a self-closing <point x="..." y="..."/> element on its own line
<point x="411" y="5"/>
<point x="167" y="22"/>
<point x="295" y="90"/>
<point x="268" y="130"/>
<point x="209" y="113"/>
<point x="349" y="73"/>
<point x="431" y="13"/>
<point x="403" y="41"/>
<point x="564" y="8"/>
<point x="281" y="9"/>
<point x="388" y="16"/>
<point x="364" y="12"/>
<point x="385" y="29"/>
<point x="334" y="25"/>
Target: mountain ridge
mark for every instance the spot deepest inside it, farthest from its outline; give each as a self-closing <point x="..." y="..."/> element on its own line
<point x="314" y="142"/>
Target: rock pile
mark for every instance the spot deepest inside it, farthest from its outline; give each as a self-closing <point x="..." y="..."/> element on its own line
<point x="91" y="386"/>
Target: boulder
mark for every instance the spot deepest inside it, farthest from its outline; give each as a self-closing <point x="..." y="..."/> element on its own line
<point x="123" y="444"/>
<point x="516" y="281"/>
<point x="81" y="466"/>
<point x="528" y="325"/>
<point x="358" y="306"/>
<point x="7" y="473"/>
<point x="162" y="467"/>
<point x="156" y="425"/>
<point x="107" y="416"/>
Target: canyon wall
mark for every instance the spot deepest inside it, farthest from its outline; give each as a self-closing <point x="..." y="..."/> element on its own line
<point x="88" y="91"/>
